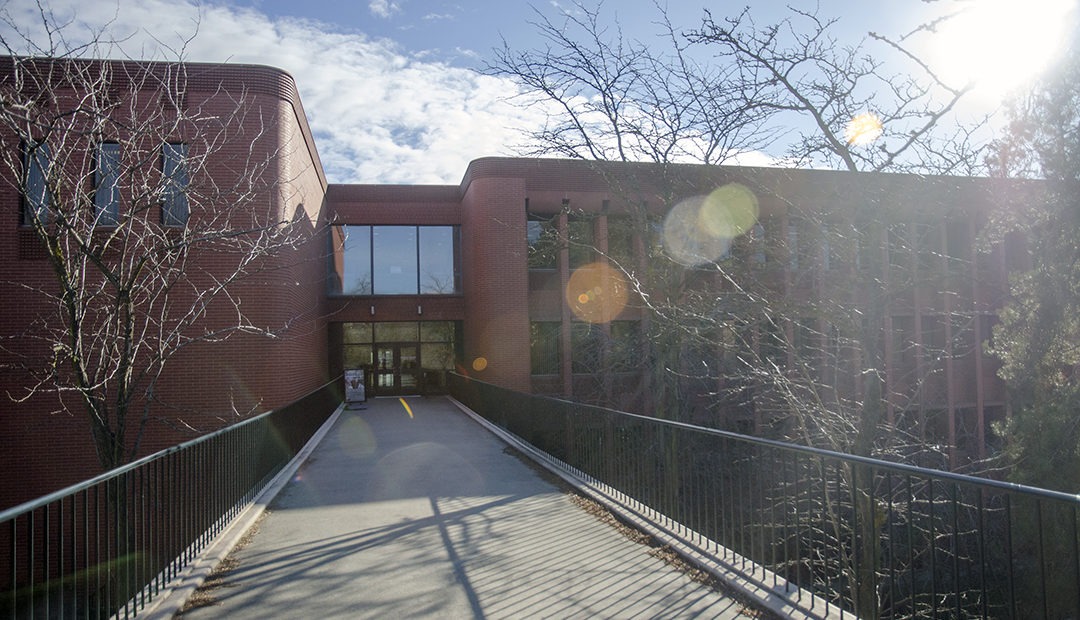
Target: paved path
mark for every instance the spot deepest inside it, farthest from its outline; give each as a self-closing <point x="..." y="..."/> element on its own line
<point x="426" y="514"/>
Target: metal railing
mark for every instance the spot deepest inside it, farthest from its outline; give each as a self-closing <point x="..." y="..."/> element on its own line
<point x="107" y="546"/>
<point x="840" y="534"/>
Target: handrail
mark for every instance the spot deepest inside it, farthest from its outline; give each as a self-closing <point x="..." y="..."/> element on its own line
<point x="107" y="546"/>
<point x="33" y="504"/>
<point x="832" y="533"/>
<point x="853" y="458"/>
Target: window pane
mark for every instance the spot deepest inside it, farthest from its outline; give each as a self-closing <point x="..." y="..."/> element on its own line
<point x="437" y="356"/>
<point x="357" y="333"/>
<point x="395" y="261"/>
<point x="625" y="345"/>
<point x="437" y="331"/>
<point x="543" y="239"/>
<point x="582" y="248"/>
<point x="438" y="264"/>
<point x="621" y="241"/>
<point x="350" y="267"/>
<point x="107" y="184"/>
<point x="396" y="332"/>
<point x="544" y="350"/>
<point x="587" y="348"/>
<point x="36" y="197"/>
<point x="358" y="356"/>
<point x="174" y="169"/>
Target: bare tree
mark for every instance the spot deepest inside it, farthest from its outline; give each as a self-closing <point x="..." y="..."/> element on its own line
<point x="153" y="203"/>
<point x="790" y="85"/>
<point x="816" y="365"/>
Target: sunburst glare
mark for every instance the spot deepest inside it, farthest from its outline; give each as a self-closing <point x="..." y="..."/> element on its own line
<point x="999" y="45"/>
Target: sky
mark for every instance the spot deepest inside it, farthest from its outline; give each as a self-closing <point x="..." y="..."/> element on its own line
<point x="392" y="88"/>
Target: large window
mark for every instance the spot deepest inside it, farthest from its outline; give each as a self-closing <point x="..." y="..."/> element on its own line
<point x="395" y="260"/>
<point x="174" y="170"/>
<point x="36" y="198"/>
<point x="107" y="184"/>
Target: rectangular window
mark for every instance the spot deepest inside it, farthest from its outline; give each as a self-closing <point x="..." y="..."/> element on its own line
<point x="394" y="260"/>
<point x="586" y="348"/>
<point x="542" y="237"/>
<point x="582" y="248"/>
<point x="439" y="272"/>
<point x="175" y="175"/>
<point x="107" y="184"/>
<point x="545" y="351"/>
<point x="351" y="260"/>
<point x="620" y="241"/>
<point x="793" y="249"/>
<point x="625" y="353"/>
<point x="36" y="198"/>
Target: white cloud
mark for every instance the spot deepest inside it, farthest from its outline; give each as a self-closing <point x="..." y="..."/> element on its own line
<point x="384" y="8"/>
<point x="379" y="114"/>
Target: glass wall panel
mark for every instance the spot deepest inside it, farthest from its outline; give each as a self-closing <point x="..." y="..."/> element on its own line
<point x="394" y="260"/>
<point x="356" y="261"/>
<point x="405" y="331"/>
<point x="438" y="260"/>
<point x="437" y="355"/>
<point x="354" y="333"/>
<point x="437" y="331"/>
<point x="357" y="355"/>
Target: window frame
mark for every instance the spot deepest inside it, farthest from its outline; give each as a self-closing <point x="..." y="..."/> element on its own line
<point x="339" y="244"/>
<point x="549" y="335"/>
<point x="107" y="184"/>
<point x="31" y="210"/>
<point x="175" y="205"/>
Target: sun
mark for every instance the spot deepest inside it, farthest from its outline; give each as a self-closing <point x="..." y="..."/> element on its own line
<point x="998" y="45"/>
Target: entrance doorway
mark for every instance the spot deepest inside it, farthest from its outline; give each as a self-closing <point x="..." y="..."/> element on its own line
<point x="400" y="358"/>
<point x="397" y="368"/>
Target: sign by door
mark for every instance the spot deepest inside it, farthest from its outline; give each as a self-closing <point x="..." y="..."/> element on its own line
<point x="354" y="385"/>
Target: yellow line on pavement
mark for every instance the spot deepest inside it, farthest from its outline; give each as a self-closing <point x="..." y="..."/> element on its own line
<point x="406" y="405"/>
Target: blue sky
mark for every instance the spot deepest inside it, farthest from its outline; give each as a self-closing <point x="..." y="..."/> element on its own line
<point x="390" y="86"/>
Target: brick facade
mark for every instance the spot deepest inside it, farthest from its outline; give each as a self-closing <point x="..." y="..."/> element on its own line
<point x="212" y="385"/>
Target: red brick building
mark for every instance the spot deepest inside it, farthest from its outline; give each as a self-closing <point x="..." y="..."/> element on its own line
<point x="111" y="133"/>
<point x="487" y="277"/>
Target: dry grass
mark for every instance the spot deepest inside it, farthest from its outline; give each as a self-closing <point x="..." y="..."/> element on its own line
<point x="204" y="595"/>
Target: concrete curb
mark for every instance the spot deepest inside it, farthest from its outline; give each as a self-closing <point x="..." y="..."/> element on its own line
<point x="173" y="597"/>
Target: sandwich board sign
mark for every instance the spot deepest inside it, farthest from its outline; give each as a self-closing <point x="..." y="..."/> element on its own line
<point x="354" y="386"/>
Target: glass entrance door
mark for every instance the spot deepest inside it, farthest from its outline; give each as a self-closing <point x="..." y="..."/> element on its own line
<point x="397" y="369"/>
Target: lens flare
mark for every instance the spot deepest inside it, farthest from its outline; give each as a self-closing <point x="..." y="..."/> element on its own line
<point x="597" y="292"/>
<point x="863" y="129"/>
<point x="357" y="439"/>
<point x="700" y="229"/>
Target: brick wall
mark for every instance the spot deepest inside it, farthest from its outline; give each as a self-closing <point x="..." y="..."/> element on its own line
<point x="207" y="385"/>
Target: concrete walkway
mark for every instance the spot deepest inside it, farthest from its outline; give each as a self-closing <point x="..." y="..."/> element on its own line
<point x="424" y="513"/>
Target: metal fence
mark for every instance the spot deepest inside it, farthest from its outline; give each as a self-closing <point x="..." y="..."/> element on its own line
<point x="839" y="534"/>
<point x="107" y="546"/>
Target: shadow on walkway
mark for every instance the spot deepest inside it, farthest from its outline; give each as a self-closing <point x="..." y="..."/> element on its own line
<point x="424" y="513"/>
